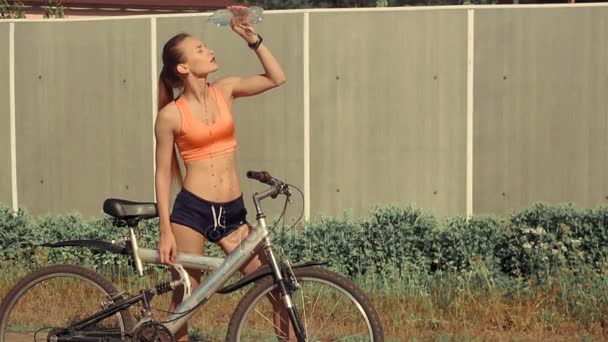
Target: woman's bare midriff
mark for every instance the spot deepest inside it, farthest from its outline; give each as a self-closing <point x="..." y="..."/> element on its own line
<point x="214" y="179"/>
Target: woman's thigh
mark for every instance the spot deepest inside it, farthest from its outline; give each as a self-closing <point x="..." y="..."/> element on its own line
<point x="232" y="241"/>
<point x="188" y="241"/>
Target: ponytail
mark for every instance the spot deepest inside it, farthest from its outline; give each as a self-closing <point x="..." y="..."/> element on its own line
<point x="165" y="91"/>
<point x="169" y="79"/>
<point x="165" y="96"/>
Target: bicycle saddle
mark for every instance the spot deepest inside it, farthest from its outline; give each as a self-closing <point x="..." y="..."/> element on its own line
<point x="123" y="209"/>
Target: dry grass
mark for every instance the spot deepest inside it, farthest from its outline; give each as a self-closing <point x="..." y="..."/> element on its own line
<point x="487" y="317"/>
<point x="452" y="313"/>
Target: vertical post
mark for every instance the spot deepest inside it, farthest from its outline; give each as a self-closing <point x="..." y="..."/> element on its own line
<point x="470" y="102"/>
<point x="154" y="92"/>
<point x="306" y="71"/>
<point x="11" y="87"/>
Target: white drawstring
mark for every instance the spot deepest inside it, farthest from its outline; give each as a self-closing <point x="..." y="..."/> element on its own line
<point x="216" y="219"/>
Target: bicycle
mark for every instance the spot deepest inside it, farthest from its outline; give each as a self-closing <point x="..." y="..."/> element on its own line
<point x="344" y="307"/>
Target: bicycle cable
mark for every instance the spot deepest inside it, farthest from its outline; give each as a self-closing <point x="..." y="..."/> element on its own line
<point x="43" y="328"/>
<point x="181" y="314"/>
<point x="283" y="231"/>
<point x="302" y="212"/>
<point x="283" y="215"/>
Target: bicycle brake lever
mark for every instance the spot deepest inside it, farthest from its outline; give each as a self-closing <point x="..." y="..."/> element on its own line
<point x="287" y="193"/>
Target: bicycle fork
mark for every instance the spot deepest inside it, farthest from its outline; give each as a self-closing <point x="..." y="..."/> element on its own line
<point x="277" y="268"/>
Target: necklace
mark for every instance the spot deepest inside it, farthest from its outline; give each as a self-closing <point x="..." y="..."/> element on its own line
<point x="205" y="104"/>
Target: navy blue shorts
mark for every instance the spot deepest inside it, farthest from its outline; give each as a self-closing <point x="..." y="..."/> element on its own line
<point x="214" y="220"/>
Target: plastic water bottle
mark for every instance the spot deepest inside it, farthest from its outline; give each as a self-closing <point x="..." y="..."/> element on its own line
<point x="223" y="16"/>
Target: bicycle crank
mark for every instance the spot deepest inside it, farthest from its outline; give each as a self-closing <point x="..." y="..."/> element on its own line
<point x="152" y="332"/>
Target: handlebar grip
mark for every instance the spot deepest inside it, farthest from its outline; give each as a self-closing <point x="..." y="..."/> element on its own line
<point x="261" y="176"/>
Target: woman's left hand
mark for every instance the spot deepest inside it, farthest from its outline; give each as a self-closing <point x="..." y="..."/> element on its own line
<point x="240" y="23"/>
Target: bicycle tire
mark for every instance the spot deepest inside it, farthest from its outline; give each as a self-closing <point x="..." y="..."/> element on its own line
<point x="305" y="276"/>
<point x="46" y="276"/>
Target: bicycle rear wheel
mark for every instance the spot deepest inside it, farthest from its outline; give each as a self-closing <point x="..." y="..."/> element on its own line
<point x="56" y="297"/>
<point x="330" y="308"/>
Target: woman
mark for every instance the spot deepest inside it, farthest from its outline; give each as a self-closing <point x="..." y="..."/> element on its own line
<point x="199" y="122"/>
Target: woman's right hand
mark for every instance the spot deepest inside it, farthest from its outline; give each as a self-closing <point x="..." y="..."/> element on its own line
<point x="167" y="248"/>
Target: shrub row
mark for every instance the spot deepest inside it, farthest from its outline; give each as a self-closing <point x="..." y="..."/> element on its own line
<point x="535" y="242"/>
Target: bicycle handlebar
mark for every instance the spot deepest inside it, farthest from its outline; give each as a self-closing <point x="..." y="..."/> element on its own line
<point x="277" y="187"/>
<point x="261" y="176"/>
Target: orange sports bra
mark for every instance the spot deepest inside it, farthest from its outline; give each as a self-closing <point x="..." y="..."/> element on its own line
<point x="197" y="140"/>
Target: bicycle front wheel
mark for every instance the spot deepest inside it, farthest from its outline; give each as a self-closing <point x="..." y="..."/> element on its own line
<point x="56" y="297"/>
<point x="330" y="308"/>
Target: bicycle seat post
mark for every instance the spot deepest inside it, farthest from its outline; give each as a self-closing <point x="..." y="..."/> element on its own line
<point x="134" y="246"/>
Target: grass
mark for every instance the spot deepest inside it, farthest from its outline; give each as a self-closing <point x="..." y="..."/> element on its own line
<point x="419" y="307"/>
<point x="476" y="307"/>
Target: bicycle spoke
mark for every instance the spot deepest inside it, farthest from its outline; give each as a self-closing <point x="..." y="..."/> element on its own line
<point x="304" y="310"/>
<point x="264" y="333"/>
<point x="60" y="296"/>
<point x="315" y="305"/>
<point x="349" y="316"/>
<point x="327" y="320"/>
<point x="280" y="303"/>
<point x="313" y="333"/>
<point x="330" y="309"/>
<point x="270" y="321"/>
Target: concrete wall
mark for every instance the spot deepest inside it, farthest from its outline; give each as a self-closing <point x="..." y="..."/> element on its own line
<point x="541" y="109"/>
<point x="84" y="118"/>
<point x="387" y="106"/>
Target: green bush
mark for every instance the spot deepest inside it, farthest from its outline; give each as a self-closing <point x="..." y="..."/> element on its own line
<point x="339" y="244"/>
<point x="543" y="239"/>
<point x="16" y="233"/>
<point x="460" y="243"/>
<point x="392" y="241"/>
<point x="395" y="236"/>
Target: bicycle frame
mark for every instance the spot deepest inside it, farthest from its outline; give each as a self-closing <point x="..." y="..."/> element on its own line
<point x="223" y="268"/>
